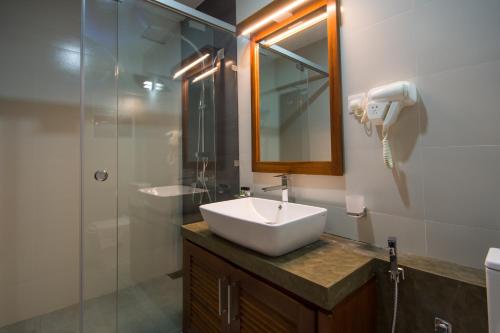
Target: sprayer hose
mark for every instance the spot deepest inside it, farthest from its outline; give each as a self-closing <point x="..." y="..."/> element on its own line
<point x="394" y="315"/>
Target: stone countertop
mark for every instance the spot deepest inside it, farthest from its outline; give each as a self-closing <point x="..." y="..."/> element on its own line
<point x="326" y="271"/>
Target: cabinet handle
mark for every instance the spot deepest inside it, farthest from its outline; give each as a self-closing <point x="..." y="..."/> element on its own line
<point x="219" y="283"/>
<point x="229" y="304"/>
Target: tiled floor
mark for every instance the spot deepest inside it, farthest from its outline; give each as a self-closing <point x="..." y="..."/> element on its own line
<point x="150" y="307"/>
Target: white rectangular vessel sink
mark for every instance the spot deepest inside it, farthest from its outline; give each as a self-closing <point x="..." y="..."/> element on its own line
<point x="266" y="226"/>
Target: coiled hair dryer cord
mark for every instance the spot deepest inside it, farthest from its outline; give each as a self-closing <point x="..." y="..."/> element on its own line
<point x="386" y="150"/>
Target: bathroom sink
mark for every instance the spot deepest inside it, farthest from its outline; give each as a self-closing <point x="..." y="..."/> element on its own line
<point x="266" y="226"/>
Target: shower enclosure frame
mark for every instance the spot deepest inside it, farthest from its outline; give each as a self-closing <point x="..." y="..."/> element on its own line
<point x="174" y="7"/>
<point x="194" y="14"/>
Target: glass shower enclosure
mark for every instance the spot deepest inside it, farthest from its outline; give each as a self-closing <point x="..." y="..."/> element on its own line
<point x="109" y="114"/>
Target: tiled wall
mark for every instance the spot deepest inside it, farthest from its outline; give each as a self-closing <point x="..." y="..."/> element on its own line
<point x="39" y="157"/>
<point x="424" y="296"/>
<point x="440" y="199"/>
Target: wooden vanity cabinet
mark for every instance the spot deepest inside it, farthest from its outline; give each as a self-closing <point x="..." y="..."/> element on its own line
<point x="219" y="297"/>
<point x="205" y="291"/>
<point x="355" y="314"/>
<point x="258" y="307"/>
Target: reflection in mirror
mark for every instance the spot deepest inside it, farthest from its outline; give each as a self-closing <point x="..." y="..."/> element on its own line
<point x="295" y="96"/>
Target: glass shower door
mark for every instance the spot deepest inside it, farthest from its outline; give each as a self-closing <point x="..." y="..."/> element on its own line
<point x="166" y="157"/>
<point x="150" y="190"/>
<point x="149" y="157"/>
<point x="99" y="166"/>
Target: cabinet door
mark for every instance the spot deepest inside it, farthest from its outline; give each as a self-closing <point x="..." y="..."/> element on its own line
<point x="205" y="291"/>
<point x="355" y="314"/>
<point x="256" y="307"/>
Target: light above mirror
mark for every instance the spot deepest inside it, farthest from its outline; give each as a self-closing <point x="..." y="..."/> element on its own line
<point x="272" y="17"/>
<point x="295" y="29"/>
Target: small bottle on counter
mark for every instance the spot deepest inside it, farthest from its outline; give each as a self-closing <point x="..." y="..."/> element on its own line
<point x="245" y="192"/>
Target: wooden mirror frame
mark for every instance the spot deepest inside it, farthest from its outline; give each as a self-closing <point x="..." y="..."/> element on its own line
<point x="335" y="166"/>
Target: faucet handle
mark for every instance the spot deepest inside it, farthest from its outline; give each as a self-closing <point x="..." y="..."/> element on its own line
<point x="283" y="175"/>
<point x="391" y="242"/>
<point x="284" y="179"/>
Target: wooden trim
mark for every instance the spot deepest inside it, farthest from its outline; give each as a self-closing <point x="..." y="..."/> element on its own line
<point x="335" y="166"/>
<point x="263" y="12"/>
<point x="334" y="64"/>
<point x="305" y="168"/>
<point x="304" y="11"/>
<point x="255" y="102"/>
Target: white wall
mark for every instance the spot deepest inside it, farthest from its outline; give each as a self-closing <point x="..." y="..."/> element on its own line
<point x="440" y="200"/>
<point x="39" y="157"/>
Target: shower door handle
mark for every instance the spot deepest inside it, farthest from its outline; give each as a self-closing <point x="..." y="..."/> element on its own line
<point x="101" y="175"/>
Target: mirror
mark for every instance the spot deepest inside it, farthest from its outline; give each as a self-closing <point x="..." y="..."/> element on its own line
<point x="294" y="98"/>
<point x="296" y="104"/>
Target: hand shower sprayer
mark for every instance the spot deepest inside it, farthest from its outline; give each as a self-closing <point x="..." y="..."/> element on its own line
<point x="395" y="274"/>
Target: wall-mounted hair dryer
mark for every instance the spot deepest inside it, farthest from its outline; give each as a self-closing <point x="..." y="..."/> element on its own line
<point x="382" y="106"/>
<point x="384" y="103"/>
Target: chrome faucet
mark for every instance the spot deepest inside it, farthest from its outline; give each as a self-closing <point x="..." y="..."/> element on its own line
<point x="283" y="187"/>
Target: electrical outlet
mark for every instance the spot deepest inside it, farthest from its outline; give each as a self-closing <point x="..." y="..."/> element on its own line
<point x="376" y="111"/>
